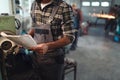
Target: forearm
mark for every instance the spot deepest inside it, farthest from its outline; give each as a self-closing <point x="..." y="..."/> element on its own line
<point x="59" y="43"/>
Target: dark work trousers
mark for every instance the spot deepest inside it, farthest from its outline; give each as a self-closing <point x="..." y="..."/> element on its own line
<point x="49" y="72"/>
<point x="49" y="68"/>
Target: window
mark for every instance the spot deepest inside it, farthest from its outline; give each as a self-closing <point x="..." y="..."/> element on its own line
<point x="105" y="4"/>
<point x="85" y="3"/>
<point x="95" y="4"/>
<point x="5" y="6"/>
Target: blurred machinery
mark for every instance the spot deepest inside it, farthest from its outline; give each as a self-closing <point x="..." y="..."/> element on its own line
<point x="84" y="27"/>
<point x="7" y="25"/>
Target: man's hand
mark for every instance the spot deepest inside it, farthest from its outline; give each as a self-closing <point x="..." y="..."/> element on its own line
<point x="40" y="48"/>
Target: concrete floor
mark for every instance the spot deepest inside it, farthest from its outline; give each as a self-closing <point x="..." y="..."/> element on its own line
<point x="97" y="56"/>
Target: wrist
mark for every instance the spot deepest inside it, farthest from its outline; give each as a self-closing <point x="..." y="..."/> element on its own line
<point x="50" y="45"/>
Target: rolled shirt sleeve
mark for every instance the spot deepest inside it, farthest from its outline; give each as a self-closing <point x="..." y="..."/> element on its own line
<point x="68" y="22"/>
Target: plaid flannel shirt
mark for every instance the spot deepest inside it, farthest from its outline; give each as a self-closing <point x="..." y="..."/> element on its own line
<point x="61" y="24"/>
